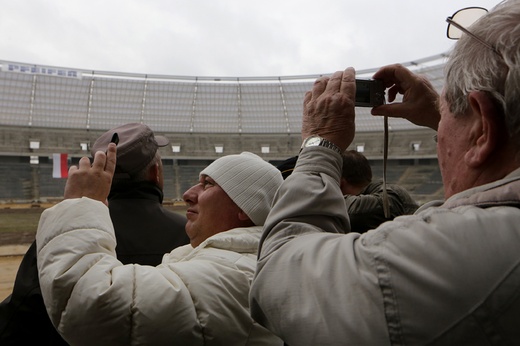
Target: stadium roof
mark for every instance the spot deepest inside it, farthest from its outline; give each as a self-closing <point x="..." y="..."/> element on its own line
<point x="55" y="97"/>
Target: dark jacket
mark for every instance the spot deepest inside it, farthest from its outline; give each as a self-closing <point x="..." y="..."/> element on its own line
<point x="145" y="231"/>
<point x="366" y="209"/>
<point x="23" y="318"/>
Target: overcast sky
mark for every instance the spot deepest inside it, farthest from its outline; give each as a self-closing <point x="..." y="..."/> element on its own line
<point x="225" y="37"/>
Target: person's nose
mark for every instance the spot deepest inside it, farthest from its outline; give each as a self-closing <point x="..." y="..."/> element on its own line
<point x="190" y="196"/>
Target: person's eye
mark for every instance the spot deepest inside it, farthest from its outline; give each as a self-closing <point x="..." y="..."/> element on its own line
<point x="206" y="183"/>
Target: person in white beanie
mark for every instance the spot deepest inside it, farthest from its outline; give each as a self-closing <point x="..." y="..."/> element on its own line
<point x="197" y="296"/>
<point x="245" y="184"/>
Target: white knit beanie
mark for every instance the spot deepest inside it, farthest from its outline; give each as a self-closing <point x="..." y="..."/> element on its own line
<point x="249" y="181"/>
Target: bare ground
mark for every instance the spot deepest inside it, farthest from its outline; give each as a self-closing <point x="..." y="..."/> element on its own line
<point x="8" y="267"/>
<point x="18" y="224"/>
<point x="13" y="244"/>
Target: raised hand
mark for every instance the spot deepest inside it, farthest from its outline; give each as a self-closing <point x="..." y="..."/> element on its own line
<point x="420" y="104"/>
<point x="328" y="109"/>
<point x="94" y="180"/>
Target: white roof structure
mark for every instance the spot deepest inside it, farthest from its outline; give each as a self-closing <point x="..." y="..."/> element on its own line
<point x="55" y="97"/>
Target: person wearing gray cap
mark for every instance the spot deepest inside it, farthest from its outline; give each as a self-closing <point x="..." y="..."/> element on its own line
<point x="198" y="295"/>
<point x="144" y="230"/>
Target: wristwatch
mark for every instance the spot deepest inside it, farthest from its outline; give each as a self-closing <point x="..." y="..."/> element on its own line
<point x="315" y="140"/>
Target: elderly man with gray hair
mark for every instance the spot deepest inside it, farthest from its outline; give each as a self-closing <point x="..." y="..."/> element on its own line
<point x="447" y="275"/>
<point x="197" y="296"/>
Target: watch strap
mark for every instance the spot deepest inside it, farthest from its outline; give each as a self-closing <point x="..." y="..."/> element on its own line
<point x="328" y="144"/>
<point x="320" y="141"/>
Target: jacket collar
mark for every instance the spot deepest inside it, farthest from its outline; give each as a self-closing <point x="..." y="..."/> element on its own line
<point x="239" y="240"/>
<point x="136" y="190"/>
<point x="505" y="191"/>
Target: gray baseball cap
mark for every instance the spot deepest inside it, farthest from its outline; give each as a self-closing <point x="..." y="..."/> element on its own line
<point x="136" y="148"/>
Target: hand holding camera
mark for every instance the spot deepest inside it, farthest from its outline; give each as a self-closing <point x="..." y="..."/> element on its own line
<point x="328" y="109"/>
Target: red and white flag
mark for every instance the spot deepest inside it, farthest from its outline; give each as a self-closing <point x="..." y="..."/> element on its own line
<point x="60" y="167"/>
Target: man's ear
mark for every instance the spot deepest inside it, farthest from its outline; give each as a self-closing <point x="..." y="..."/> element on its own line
<point x="242" y="216"/>
<point x="154" y="173"/>
<point x="487" y="130"/>
<point x="343" y="185"/>
<point x="348" y="188"/>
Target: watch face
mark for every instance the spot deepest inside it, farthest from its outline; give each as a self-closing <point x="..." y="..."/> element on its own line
<point x="313" y="141"/>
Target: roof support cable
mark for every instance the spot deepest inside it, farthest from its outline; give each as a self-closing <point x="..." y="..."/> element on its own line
<point x="143" y="102"/>
<point x="284" y="106"/>
<point x="193" y="106"/>
<point x="33" y="97"/>
<point x="90" y="100"/>
<point x="239" y="106"/>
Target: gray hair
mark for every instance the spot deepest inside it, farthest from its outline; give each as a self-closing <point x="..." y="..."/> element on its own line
<point x="472" y="67"/>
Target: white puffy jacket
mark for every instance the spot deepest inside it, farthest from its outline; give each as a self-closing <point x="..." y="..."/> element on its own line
<point x="197" y="296"/>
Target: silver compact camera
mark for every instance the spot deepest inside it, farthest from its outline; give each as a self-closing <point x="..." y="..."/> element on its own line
<point x="369" y="92"/>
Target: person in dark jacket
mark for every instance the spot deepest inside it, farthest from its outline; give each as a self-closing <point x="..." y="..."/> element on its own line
<point x="136" y="195"/>
<point x="365" y="198"/>
<point x="135" y="204"/>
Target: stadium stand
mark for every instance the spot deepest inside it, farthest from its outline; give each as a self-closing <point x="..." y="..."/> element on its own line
<point x="46" y="110"/>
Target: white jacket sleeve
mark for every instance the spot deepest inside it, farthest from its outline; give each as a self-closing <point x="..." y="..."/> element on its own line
<point x="93" y="299"/>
